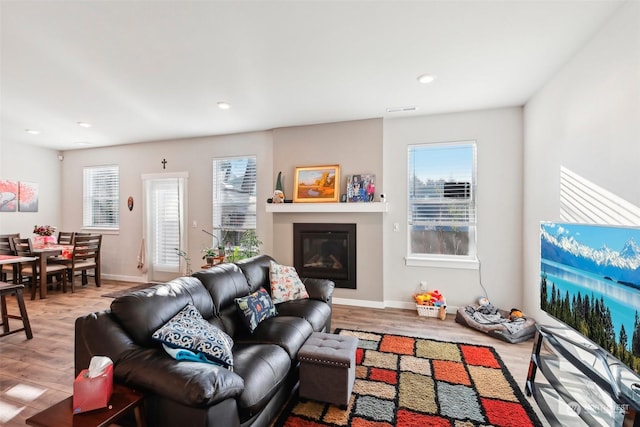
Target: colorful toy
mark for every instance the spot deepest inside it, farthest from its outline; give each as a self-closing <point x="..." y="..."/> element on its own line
<point x="515" y="314"/>
<point x="433" y="298"/>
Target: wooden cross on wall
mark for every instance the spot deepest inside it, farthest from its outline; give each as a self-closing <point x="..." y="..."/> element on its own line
<point x="164" y="163"/>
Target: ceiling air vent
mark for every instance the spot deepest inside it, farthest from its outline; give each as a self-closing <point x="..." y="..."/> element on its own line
<point x="401" y="109"/>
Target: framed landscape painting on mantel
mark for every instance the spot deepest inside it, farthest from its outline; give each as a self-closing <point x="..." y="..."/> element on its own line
<point x="315" y="184"/>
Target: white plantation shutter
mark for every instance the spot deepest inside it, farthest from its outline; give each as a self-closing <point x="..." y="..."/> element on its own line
<point x="234" y="197"/>
<point x="442" y="206"/>
<point x="165" y="204"/>
<point x="101" y="195"/>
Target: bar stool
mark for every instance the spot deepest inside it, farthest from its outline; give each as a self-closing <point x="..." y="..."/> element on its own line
<point x="7" y="289"/>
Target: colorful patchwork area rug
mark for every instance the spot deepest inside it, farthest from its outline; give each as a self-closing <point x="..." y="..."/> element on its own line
<point x="411" y="382"/>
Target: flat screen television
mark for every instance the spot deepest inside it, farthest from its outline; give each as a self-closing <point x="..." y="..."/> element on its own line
<point x="590" y="280"/>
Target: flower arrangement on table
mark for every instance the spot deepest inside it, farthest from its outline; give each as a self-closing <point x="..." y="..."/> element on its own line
<point x="44" y="230"/>
<point x="44" y="235"/>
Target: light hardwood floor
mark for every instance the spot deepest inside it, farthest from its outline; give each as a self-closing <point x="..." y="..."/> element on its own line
<point x="37" y="373"/>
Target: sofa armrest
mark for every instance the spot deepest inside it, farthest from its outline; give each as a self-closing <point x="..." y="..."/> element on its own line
<point x="189" y="383"/>
<point x="319" y="289"/>
<point x="150" y="368"/>
<point x="98" y="334"/>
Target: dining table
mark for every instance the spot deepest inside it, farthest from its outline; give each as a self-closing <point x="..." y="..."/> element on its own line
<point x="15" y="259"/>
<point x="43" y="253"/>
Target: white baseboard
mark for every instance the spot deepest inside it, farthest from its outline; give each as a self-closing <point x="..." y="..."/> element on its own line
<point x="400" y="304"/>
<point x="377" y="304"/>
<point x="358" y="302"/>
<point x="134" y="279"/>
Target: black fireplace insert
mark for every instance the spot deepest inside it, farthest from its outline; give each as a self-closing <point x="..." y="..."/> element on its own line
<point x="326" y="251"/>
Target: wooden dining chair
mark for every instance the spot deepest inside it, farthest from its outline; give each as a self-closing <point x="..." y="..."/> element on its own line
<point x="66" y="237"/>
<point x="6" y="248"/>
<point x="86" y="256"/>
<point x="30" y="271"/>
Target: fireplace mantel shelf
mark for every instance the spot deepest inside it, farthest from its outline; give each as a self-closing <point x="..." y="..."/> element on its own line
<point x="327" y="207"/>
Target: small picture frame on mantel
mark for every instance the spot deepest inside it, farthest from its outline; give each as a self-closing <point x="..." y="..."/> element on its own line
<point x="361" y="188"/>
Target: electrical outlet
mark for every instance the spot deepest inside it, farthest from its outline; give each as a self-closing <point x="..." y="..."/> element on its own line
<point x="423" y="285"/>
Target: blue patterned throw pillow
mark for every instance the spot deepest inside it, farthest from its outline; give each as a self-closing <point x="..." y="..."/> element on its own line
<point x="190" y="331"/>
<point x="255" y="308"/>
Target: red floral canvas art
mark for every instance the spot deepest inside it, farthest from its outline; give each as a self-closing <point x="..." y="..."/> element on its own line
<point x="8" y="195"/>
<point x="28" y="197"/>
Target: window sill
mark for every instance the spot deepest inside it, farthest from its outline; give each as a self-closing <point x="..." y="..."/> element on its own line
<point x="460" y="264"/>
<point x="98" y="230"/>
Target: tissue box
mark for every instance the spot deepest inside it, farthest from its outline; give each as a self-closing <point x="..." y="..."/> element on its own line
<point x="92" y="393"/>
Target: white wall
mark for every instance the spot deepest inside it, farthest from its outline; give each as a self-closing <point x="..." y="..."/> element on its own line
<point x="499" y="202"/>
<point x="358" y="146"/>
<point x="21" y="162"/>
<point x="587" y="119"/>
<point x="194" y="156"/>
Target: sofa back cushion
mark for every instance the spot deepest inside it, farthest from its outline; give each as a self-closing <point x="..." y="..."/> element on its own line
<point x="225" y="283"/>
<point x="256" y="271"/>
<point x="142" y="312"/>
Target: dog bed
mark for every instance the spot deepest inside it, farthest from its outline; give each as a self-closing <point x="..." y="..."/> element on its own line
<point x="495" y="322"/>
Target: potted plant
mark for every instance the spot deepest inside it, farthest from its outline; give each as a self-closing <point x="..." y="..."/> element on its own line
<point x="187" y="260"/>
<point x="249" y="245"/>
<point x="209" y="254"/>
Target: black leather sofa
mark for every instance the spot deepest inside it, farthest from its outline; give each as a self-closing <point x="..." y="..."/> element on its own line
<point x="265" y="370"/>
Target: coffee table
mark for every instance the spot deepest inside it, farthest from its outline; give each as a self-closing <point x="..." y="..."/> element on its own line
<point x="123" y="399"/>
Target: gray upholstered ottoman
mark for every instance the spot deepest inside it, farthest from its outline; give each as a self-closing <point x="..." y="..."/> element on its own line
<point x="328" y="368"/>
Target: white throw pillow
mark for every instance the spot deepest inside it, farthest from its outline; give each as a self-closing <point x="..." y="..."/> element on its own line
<point x="285" y="283"/>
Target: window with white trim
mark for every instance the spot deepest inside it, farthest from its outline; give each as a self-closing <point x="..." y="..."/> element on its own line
<point x="442" y="202"/>
<point x="234" y="199"/>
<point x="101" y="197"/>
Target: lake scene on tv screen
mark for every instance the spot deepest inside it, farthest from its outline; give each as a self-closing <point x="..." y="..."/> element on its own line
<point x="590" y="280"/>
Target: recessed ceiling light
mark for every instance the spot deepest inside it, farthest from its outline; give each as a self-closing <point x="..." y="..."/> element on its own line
<point x="426" y="78"/>
<point x="83" y="143"/>
<point x="84" y="124"/>
<point x="32" y="131"/>
<point x="224" y="105"/>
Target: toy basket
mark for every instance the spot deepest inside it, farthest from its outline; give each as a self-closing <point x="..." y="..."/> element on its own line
<point x="432" y="311"/>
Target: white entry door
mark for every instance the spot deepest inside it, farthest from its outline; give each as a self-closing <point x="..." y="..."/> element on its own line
<point x="164" y="224"/>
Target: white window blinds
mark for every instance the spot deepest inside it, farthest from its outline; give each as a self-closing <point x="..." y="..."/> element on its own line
<point x="234" y="197"/>
<point x="442" y="208"/>
<point x="101" y="194"/>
